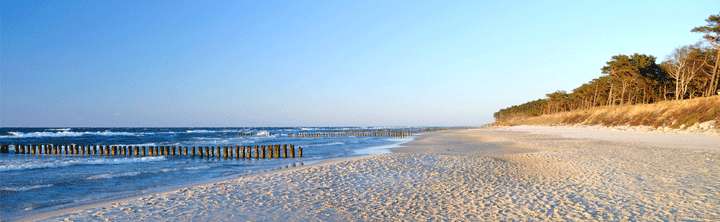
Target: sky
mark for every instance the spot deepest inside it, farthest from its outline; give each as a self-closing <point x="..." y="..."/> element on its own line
<point x="219" y="63"/>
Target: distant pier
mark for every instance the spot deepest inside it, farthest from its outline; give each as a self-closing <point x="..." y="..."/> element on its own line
<point x="356" y="133"/>
<point x="363" y="133"/>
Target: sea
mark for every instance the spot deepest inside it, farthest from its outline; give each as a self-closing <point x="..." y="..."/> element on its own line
<point x="31" y="184"/>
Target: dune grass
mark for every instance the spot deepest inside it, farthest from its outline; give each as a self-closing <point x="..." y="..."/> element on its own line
<point x="703" y="112"/>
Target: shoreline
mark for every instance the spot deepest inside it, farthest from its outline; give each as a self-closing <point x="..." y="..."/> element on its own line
<point x="468" y="174"/>
<point x="389" y="149"/>
<point x="107" y="202"/>
<point x="43" y="215"/>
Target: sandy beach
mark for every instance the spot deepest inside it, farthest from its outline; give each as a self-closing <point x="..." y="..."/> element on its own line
<point x="543" y="173"/>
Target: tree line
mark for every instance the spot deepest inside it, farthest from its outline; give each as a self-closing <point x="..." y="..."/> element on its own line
<point x="690" y="71"/>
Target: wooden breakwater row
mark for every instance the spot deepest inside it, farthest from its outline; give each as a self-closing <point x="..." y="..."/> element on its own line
<point x="272" y="151"/>
<point x="358" y="133"/>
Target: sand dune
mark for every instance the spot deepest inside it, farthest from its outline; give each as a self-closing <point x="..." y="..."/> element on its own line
<point x="479" y="174"/>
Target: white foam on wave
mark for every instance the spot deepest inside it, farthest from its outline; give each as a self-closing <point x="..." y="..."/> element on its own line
<point x="262" y="133"/>
<point x="165" y="170"/>
<point x="65" y="133"/>
<point x="325" y="144"/>
<point x="212" y="131"/>
<point x="149" y="144"/>
<point x="139" y="144"/>
<point x="197" y="168"/>
<point x="382" y="149"/>
<point x="24" y="188"/>
<point x="198" y="131"/>
<point x="61" y="129"/>
<point x="214" y="140"/>
<point x="110" y="175"/>
<point x="71" y="162"/>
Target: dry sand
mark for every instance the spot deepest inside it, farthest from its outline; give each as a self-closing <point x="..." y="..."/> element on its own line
<point x="543" y="173"/>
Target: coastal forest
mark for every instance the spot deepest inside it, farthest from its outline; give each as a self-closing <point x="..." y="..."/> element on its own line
<point x="691" y="71"/>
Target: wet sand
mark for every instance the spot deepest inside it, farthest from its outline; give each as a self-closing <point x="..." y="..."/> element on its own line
<point x="476" y="174"/>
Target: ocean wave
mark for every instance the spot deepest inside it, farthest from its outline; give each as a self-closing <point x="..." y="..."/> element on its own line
<point x="138" y="144"/>
<point x="212" y="131"/>
<point x="110" y="175"/>
<point x="214" y="140"/>
<point x="401" y="139"/>
<point x="165" y="170"/>
<point x="149" y="144"/>
<point x="61" y="129"/>
<point x="382" y="149"/>
<point x="197" y="168"/>
<point x="198" y="131"/>
<point x="325" y="144"/>
<point x="72" y="162"/>
<point x="206" y="138"/>
<point x="262" y="133"/>
<point x="24" y="188"/>
<point x="64" y="134"/>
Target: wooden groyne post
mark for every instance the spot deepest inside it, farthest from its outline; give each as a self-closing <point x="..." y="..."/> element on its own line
<point x="257" y="153"/>
<point x="264" y="151"/>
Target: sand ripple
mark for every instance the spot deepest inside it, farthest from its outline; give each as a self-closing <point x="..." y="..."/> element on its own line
<point x="559" y="179"/>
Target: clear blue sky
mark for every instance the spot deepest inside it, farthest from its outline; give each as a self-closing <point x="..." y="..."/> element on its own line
<point x="291" y="63"/>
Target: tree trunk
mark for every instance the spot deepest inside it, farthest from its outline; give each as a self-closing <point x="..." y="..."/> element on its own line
<point x="594" y="99"/>
<point x="610" y="96"/>
<point x="677" y="88"/>
<point x="622" y="92"/>
<point x="714" y="80"/>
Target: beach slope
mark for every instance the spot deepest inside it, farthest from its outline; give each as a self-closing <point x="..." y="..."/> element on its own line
<point x="474" y="174"/>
